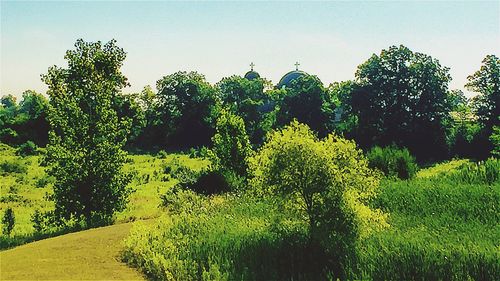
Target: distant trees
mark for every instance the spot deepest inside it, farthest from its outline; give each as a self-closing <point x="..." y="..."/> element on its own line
<point x="402" y="99"/>
<point x="26" y="121"/>
<point x="186" y="102"/>
<point x="86" y="139"/>
<point x="246" y="98"/>
<point x="307" y="101"/>
<point x="486" y="105"/>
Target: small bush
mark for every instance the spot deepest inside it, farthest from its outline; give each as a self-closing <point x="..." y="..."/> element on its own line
<point x="28" y="148"/>
<point x="8" y="221"/>
<point x="393" y="162"/>
<point x="14" y="166"/>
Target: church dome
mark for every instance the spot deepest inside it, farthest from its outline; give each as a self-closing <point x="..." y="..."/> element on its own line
<point x="251" y="75"/>
<point x="288" y="78"/>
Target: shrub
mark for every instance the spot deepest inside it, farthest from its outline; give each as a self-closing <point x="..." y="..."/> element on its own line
<point x="329" y="180"/>
<point x="393" y="162"/>
<point x="13" y="166"/>
<point x="231" y="147"/>
<point x="28" y="148"/>
<point x="8" y="221"/>
<point x="487" y="172"/>
<point x="162" y="154"/>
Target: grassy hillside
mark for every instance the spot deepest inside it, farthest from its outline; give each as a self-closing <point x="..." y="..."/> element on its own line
<point x="90" y="254"/>
<point x="24" y="188"/>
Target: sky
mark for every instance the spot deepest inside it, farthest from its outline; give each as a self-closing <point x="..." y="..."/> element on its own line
<point x="219" y="39"/>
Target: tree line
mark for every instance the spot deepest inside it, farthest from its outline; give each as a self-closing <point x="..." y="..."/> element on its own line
<point x="398" y="97"/>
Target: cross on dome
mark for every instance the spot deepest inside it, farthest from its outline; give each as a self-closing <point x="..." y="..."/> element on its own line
<point x="297" y="65"/>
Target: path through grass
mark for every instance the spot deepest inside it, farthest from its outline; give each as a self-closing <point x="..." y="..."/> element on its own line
<point x="90" y="254"/>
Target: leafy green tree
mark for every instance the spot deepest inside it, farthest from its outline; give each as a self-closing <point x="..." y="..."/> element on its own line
<point x="8" y="221"/>
<point x="34" y="125"/>
<point x="307" y="101"/>
<point x="187" y="103"/>
<point x="128" y="107"/>
<point x="246" y="98"/>
<point x="402" y="99"/>
<point x="86" y="138"/>
<point x="342" y="120"/>
<point x="231" y="146"/>
<point x="327" y="180"/>
<point x="495" y="140"/>
<point x="486" y="82"/>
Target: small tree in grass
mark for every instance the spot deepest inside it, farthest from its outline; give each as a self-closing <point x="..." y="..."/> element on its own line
<point x="328" y="180"/>
<point x="85" y="144"/>
<point x="8" y="221"/>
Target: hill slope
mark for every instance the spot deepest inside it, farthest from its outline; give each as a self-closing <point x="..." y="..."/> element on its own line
<point x="90" y="254"/>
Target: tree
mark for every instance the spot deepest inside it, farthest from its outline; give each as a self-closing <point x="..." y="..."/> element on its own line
<point x="231" y="146"/>
<point x="495" y="140"/>
<point x="128" y="107"/>
<point x="85" y="142"/>
<point x="403" y="99"/>
<point x="8" y="221"/>
<point x="328" y="180"/>
<point x="187" y="104"/>
<point x="35" y="126"/>
<point x="245" y="98"/>
<point x="486" y="82"/>
<point x="306" y="100"/>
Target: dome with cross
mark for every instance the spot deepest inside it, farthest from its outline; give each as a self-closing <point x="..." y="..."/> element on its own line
<point x="251" y="75"/>
<point x="291" y="76"/>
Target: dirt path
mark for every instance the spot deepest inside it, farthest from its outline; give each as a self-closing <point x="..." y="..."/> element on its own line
<point x="87" y="255"/>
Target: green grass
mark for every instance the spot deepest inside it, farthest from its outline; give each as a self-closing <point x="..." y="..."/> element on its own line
<point x="20" y="191"/>
<point x="90" y="254"/>
<point x="440" y="229"/>
<point x="441" y="168"/>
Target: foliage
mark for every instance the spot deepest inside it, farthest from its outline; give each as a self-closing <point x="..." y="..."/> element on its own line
<point x="85" y="148"/>
<point x="402" y="99"/>
<point x="231" y="147"/>
<point x="8" y="221"/>
<point x="486" y="82"/>
<point x="328" y="180"/>
<point x="483" y="172"/>
<point x="393" y="162"/>
<point x="26" y="121"/>
<point x="27" y="148"/>
<point x="226" y="238"/>
<point x="246" y="98"/>
<point x="186" y="102"/>
<point x="306" y="100"/>
<point x="495" y="140"/>
<point x="13" y="166"/>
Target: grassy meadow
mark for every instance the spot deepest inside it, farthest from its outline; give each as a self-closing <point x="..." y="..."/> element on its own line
<point x="25" y="189"/>
<point x="443" y="224"/>
<point x="440" y="228"/>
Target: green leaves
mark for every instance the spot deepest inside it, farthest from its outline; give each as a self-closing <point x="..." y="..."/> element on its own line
<point x="85" y="147"/>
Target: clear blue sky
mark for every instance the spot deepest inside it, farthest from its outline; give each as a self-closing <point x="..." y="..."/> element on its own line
<point x="218" y="39"/>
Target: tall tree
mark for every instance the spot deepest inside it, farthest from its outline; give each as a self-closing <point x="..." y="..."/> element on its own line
<point x="486" y="82"/>
<point x="86" y="138"/>
<point x="246" y="98"/>
<point x="306" y="100"/>
<point x="186" y="102"/>
<point x="403" y="99"/>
